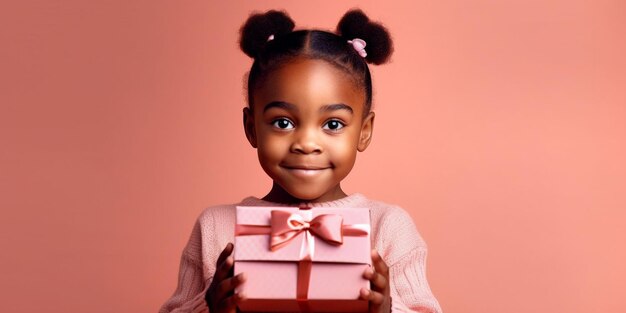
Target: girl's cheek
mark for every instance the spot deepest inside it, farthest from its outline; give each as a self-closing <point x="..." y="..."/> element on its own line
<point x="273" y="144"/>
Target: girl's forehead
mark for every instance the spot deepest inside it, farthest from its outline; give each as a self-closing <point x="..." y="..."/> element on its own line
<point x="310" y="83"/>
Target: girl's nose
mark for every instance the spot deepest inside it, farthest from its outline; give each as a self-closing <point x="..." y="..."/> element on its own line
<point x="306" y="142"/>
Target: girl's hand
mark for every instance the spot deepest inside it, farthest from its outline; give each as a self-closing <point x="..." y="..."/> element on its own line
<point x="378" y="296"/>
<point x="220" y="296"/>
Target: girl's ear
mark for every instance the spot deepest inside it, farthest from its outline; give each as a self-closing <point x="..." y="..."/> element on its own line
<point x="248" y="126"/>
<point x="367" y="128"/>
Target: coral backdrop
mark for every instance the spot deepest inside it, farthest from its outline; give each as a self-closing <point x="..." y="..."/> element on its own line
<point x="500" y="126"/>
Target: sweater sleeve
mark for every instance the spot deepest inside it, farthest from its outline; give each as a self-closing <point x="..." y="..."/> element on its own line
<point x="406" y="252"/>
<point x="189" y="296"/>
<point x="409" y="288"/>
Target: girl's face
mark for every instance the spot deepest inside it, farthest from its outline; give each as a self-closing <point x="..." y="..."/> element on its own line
<point x="307" y="127"/>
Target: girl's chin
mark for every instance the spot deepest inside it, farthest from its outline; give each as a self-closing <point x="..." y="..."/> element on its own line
<point x="311" y="196"/>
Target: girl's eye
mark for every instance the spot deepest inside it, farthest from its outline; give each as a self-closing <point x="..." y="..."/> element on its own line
<point x="282" y="123"/>
<point x="334" y="125"/>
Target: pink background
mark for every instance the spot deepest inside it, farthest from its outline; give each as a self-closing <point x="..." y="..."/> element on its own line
<point x="501" y="127"/>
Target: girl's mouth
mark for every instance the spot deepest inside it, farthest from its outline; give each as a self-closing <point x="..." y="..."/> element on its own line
<point x="306" y="171"/>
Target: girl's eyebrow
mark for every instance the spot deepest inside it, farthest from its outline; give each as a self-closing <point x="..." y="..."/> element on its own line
<point x="335" y="107"/>
<point x="290" y="107"/>
<point x="280" y="104"/>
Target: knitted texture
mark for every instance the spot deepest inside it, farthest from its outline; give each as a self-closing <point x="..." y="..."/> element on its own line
<point x="393" y="235"/>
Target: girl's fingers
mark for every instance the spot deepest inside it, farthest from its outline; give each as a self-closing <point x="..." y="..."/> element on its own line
<point x="224" y="263"/>
<point x="375" y="298"/>
<point x="223" y="270"/>
<point x="379" y="282"/>
<point x="379" y="264"/>
<point x="378" y="275"/>
<point x="225" y="253"/>
<point x="230" y="304"/>
<point x="228" y="285"/>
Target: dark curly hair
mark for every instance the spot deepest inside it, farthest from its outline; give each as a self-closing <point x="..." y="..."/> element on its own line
<point x="318" y="44"/>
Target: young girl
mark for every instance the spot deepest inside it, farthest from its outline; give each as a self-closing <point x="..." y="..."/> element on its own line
<point x="308" y="113"/>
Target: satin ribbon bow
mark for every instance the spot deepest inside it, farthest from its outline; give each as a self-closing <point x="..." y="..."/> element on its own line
<point x="286" y="226"/>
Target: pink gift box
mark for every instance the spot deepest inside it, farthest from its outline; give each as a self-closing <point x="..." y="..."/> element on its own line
<point x="302" y="259"/>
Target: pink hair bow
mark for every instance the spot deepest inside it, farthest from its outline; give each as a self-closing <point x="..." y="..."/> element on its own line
<point x="359" y="45"/>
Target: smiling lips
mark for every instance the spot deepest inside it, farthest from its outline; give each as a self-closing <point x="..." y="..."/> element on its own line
<point x="305" y="171"/>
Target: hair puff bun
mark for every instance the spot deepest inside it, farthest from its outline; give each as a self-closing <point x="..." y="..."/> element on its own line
<point x="255" y="32"/>
<point x="355" y="24"/>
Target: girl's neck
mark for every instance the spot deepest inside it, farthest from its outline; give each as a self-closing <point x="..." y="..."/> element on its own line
<point x="279" y="195"/>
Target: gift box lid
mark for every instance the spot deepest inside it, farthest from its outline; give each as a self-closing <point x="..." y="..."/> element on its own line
<point x="354" y="249"/>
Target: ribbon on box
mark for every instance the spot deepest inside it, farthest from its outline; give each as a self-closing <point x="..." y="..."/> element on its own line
<point x="286" y="226"/>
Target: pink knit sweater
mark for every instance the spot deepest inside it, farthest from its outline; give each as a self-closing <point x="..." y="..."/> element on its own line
<point x="393" y="235"/>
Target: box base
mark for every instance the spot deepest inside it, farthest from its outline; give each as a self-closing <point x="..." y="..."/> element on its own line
<point x="290" y="305"/>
